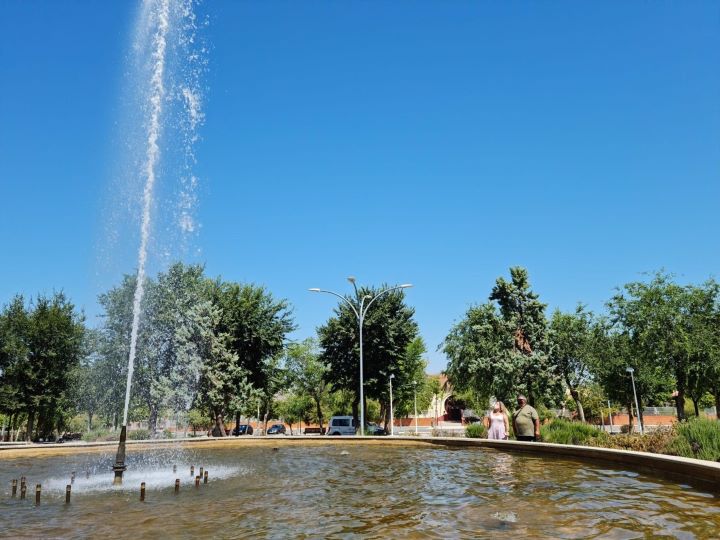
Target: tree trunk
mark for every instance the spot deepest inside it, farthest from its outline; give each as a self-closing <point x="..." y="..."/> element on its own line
<point x="576" y="398"/>
<point x="385" y="415"/>
<point x="355" y="409"/>
<point x="90" y="415"/>
<point x="237" y="422"/>
<point x="152" y="421"/>
<point x="681" y="379"/>
<point x="266" y="416"/>
<point x="717" y="403"/>
<point x="696" y="406"/>
<point x="680" y="404"/>
<point x="30" y="423"/>
<point x="631" y="424"/>
<point x="641" y="417"/>
<point x="319" y="413"/>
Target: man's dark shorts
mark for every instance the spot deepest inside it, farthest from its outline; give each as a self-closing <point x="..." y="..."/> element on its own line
<point x="529" y="438"/>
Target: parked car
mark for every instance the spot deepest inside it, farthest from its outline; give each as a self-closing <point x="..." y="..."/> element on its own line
<point x="371" y="428"/>
<point x="243" y="429"/>
<point x="276" y="429"/>
<point x="341" y="425"/>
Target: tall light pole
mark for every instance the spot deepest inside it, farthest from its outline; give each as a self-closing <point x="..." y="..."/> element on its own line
<point x="637" y="408"/>
<point x="392" y="420"/>
<point x="415" y="404"/>
<point x="360" y="313"/>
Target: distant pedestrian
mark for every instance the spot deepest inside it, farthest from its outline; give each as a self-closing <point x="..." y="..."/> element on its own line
<point x="498" y="424"/>
<point x="526" y="421"/>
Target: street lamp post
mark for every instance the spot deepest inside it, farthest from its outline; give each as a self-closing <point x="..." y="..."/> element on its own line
<point x="360" y="313"/>
<point x="637" y="408"/>
<point x="392" y="420"/>
<point x="415" y="405"/>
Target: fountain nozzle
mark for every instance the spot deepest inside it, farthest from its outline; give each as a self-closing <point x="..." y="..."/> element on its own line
<point x="119" y="465"/>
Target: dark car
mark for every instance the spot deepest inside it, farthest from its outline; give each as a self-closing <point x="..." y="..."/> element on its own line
<point x="243" y="429"/>
<point x="371" y="428"/>
<point x="276" y="429"/>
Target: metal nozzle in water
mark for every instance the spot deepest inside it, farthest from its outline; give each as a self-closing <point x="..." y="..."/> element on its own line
<point x="119" y="466"/>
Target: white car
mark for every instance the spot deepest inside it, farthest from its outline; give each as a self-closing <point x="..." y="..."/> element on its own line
<point x="341" y="425"/>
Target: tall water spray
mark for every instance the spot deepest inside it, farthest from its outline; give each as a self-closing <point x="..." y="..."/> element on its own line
<point x="165" y="34"/>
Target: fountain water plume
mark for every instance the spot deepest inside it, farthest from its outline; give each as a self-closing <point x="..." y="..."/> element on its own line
<point x="153" y="155"/>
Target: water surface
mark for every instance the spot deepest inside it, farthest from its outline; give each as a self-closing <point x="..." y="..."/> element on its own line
<point x="350" y="491"/>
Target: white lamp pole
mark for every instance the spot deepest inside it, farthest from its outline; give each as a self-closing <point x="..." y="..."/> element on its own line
<point x="637" y="408"/>
<point x="415" y="404"/>
<point x="392" y="420"/>
<point x="360" y="315"/>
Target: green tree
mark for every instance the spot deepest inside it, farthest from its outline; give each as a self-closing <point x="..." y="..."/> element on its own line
<point x="114" y="348"/>
<point x="500" y="348"/>
<point x="613" y="353"/>
<point x="294" y="408"/>
<point x="40" y="346"/>
<point x="657" y="318"/>
<point x="571" y="343"/>
<point x="307" y="374"/>
<point x="14" y="359"/>
<point x="388" y="330"/>
<point x="256" y="323"/>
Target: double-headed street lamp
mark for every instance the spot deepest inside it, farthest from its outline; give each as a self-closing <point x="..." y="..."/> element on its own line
<point x="637" y="408"/>
<point x="360" y="313"/>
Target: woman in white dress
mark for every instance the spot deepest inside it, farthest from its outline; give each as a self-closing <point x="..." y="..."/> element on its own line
<point x="499" y="424"/>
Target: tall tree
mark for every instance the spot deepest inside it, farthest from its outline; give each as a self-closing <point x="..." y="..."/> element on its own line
<point x="500" y="348"/>
<point x="255" y="322"/>
<point x="657" y="318"/>
<point x="40" y="346"/>
<point x="571" y="349"/>
<point x="388" y="329"/>
<point x="307" y="373"/>
<point x="14" y="359"/>
<point x="612" y="353"/>
<point x="167" y="372"/>
<point x="224" y="386"/>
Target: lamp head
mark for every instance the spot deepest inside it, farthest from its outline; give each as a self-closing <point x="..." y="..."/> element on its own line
<point x="392" y="375"/>
<point x="629" y="370"/>
<point x="406" y="285"/>
<point x="314" y="289"/>
<point x="351" y="279"/>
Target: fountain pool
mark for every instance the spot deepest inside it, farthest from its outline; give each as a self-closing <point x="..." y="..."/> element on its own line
<point x="368" y="490"/>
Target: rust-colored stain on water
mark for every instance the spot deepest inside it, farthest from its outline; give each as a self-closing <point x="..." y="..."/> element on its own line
<point x="325" y="490"/>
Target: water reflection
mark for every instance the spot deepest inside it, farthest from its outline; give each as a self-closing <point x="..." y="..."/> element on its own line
<point x="371" y="492"/>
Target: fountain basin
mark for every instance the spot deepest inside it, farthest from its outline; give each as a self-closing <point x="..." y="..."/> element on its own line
<point x="347" y="487"/>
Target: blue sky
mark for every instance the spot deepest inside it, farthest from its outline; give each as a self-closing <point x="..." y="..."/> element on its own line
<point x="429" y="142"/>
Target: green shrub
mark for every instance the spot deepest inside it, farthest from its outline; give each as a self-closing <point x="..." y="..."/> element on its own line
<point x="657" y="441"/>
<point x="697" y="438"/>
<point x="475" y="431"/>
<point x="100" y="434"/>
<point x="138" y="435"/>
<point x="564" y="432"/>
